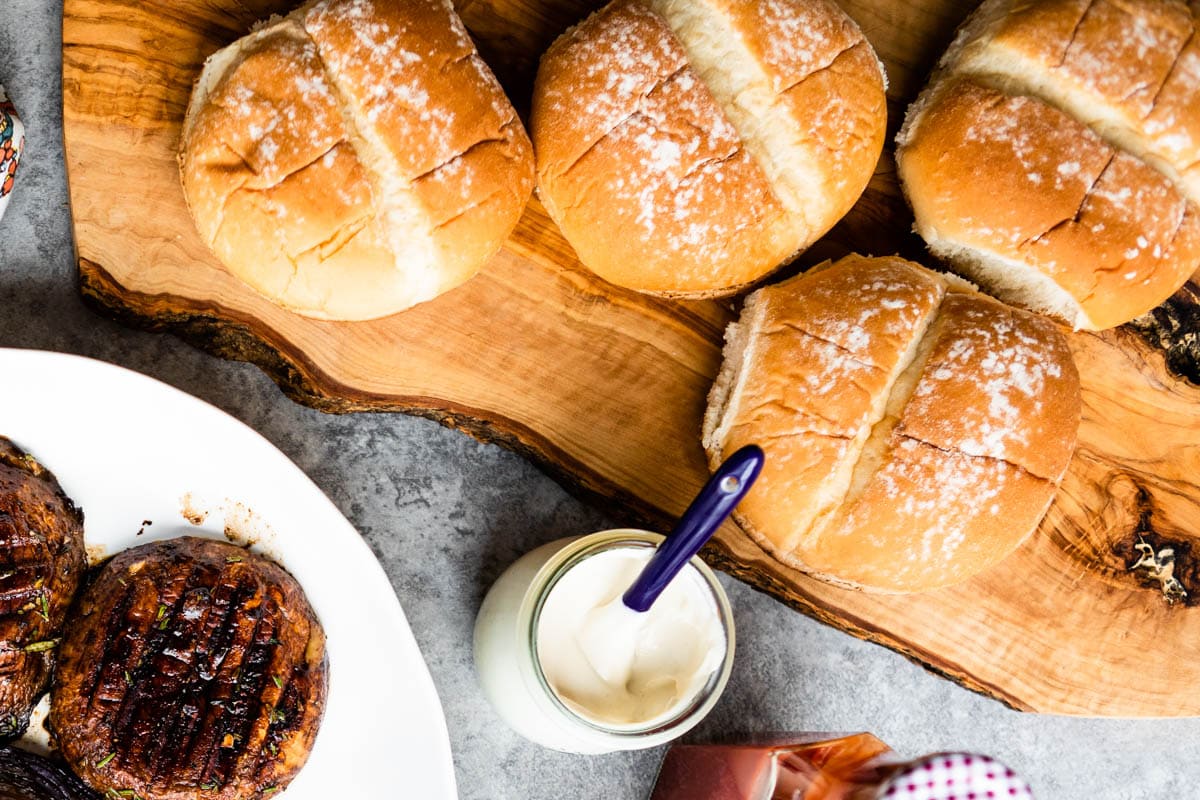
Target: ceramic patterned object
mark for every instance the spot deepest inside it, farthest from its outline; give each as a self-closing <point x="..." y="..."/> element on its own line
<point x="12" y="142"/>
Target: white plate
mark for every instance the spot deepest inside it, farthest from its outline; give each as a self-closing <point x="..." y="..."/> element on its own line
<point x="127" y="448"/>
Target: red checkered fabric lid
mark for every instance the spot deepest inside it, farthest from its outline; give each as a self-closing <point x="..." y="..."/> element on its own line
<point x="956" y="776"/>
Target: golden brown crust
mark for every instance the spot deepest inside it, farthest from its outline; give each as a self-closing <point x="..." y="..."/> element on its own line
<point x="914" y="429"/>
<point x="829" y="65"/>
<point x="1136" y="63"/>
<point x="252" y="96"/>
<point x="653" y="187"/>
<point x="354" y="158"/>
<point x="811" y="379"/>
<point x="1110" y="231"/>
<point x="998" y="383"/>
<point x="927" y="518"/>
<point x="1058" y="148"/>
<point x="661" y="172"/>
<point x="191" y="669"/>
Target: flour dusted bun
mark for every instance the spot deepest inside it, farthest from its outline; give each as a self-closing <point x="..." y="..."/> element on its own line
<point x="354" y="158"/>
<point x="1055" y="156"/>
<point x="689" y="147"/>
<point x="915" y="430"/>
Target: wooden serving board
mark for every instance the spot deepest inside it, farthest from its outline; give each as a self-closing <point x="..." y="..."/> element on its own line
<point x="606" y="387"/>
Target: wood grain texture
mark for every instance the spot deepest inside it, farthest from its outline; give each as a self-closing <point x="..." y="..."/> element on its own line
<point x="606" y="387"/>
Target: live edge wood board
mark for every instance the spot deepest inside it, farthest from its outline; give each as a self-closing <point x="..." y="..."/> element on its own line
<point x="605" y="388"/>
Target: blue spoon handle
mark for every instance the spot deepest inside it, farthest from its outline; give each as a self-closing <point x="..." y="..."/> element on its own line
<point x="716" y="500"/>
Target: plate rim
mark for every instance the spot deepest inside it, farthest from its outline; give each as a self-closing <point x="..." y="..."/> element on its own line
<point x="353" y="539"/>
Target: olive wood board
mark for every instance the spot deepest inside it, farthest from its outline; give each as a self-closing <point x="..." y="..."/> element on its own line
<point x="606" y="388"/>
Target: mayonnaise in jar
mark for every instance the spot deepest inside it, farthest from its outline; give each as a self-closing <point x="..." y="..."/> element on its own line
<point x="568" y="666"/>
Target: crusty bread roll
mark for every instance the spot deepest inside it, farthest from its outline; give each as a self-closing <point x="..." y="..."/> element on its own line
<point x="1055" y="156"/>
<point x="689" y="147"/>
<point x="915" y="430"/>
<point x="354" y="158"/>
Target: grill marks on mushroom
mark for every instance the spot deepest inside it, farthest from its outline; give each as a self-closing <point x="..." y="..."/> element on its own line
<point x="194" y="664"/>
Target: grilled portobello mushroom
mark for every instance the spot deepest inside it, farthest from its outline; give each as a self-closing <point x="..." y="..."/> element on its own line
<point x="42" y="561"/>
<point x="190" y="669"/>
<point x="25" y="776"/>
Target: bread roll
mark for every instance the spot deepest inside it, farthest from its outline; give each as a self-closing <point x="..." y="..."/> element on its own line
<point x="689" y="147"/>
<point x="1055" y="156"/>
<point x="354" y="158"/>
<point x="915" y="430"/>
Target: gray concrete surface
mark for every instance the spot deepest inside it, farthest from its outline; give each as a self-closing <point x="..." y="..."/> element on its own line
<point x="445" y="514"/>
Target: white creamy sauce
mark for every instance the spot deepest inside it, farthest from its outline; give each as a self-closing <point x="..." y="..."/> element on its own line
<point x="616" y="667"/>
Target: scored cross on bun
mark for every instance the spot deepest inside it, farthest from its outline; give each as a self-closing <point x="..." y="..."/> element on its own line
<point x="915" y="430"/>
<point x="354" y="158"/>
<point x="689" y="147"/>
<point x="1055" y="156"/>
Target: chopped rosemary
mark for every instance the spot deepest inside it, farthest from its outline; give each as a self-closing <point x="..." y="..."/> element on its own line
<point x="42" y="646"/>
<point x="208" y="787"/>
<point x="270" y="790"/>
<point x="278" y="716"/>
<point x="232" y="559"/>
<point x="278" y="683"/>
<point x="45" y="610"/>
<point x="104" y="761"/>
<point x="128" y="678"/>
<point x="162" y="610"/>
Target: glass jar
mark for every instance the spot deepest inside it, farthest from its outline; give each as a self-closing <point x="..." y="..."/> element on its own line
<point x="506" y="651"/>
<point x="830" y="766"/>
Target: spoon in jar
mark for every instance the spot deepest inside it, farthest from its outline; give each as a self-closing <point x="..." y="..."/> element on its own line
<point x="609" y="633"/>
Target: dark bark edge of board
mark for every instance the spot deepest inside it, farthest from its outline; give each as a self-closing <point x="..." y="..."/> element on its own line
<point x="221" y="335"/>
